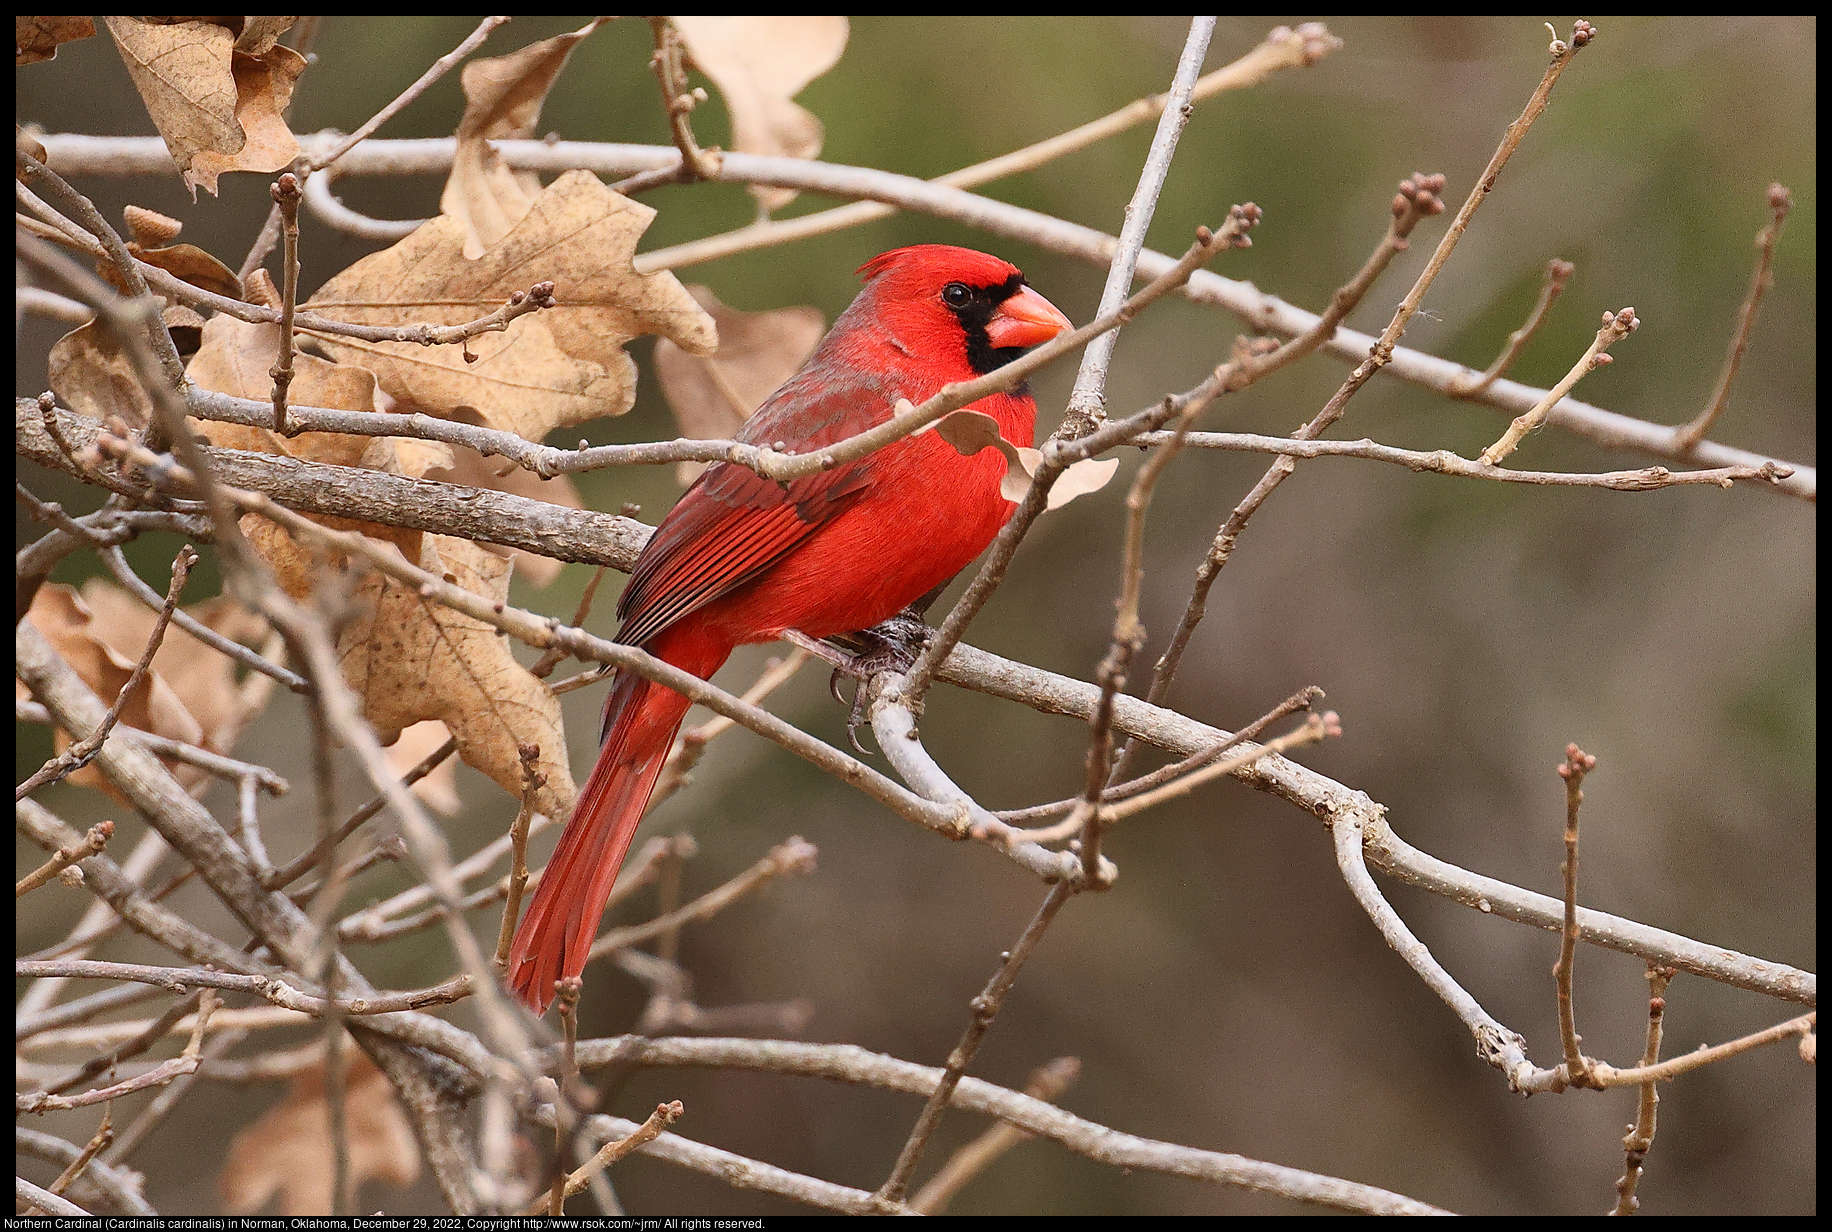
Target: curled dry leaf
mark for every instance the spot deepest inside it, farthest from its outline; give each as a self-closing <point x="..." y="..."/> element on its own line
<point x="503" y="97"/>
<point x="712" y="395"/>
<point x="191" y="694"/>
<point x="217" y="89"/>
<point x="759" y="64"/>
<point x="37" y="38"/>
<point x="185" y="261"/>
<point x="549" y="369"/>
<point x="412" y="659"/>
<point x="288" y="1150"/>
<point x="970" y="431"/>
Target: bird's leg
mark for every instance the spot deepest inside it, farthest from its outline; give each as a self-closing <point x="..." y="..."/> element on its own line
<point x="890" y="645"/>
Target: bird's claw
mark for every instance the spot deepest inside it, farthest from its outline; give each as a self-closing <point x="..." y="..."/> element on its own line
<point x="891" y="645"/>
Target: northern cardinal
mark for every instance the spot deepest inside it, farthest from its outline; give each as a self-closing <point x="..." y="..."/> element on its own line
<point x="741" y="558"/>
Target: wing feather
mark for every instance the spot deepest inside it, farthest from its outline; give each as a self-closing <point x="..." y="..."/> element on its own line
<point x="732" y="525"/>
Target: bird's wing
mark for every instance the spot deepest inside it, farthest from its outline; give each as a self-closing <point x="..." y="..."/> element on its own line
<point x="733" y="524"/>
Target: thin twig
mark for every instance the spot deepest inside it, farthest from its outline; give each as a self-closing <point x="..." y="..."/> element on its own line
<point x="795" y="857"/>
<point x="550" y="658"/>
<point x="123" y="573"/>
<point x="79" y="207"/>
<point x="608" y="1154"/>
<point x="691" y="744"/>
<point x="1640" y="1137"/>
<point x="270" y="232"/>
<point x="96" y="839"/>
<point x="41" y="1102"/>
<point x="1552" y="285"/>
<point x="1282" y="48"/>
<point x="679" y="102"/>
<point x="984" y="1009"/>
<point x="1444" y="462"/>
<point x="1301" y="700"/>
<point x="1616" y="326"/>
<point x="1606" y="1076"/>
<point x="303" y="862"/>
<point x="851" y="1064"/>
<point x="1316" y="728"/>
<point x="1415" y="200"/>
<point x="271" y="987"/>
<point x="532" y="782"/>
<point x="1780" y="201"/>
<point x="1496" y="1044"/>
<point x="286" y="199"/>
<point x="1047" y="1083"/>
<point x="103" y="1136"/>
<point x="440" y="67"/>
<point x="118" y="1187"/>
<point x="1087" y="398"/>
<point x="1576" y="765"/>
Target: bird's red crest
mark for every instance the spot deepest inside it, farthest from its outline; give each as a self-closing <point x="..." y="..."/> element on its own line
<point x="977" y="268"/>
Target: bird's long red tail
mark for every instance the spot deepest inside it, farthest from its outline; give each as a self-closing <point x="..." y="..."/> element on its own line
<point x="556" y="934"/>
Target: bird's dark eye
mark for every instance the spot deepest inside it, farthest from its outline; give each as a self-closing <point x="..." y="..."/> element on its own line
<point x="956" y="294"/>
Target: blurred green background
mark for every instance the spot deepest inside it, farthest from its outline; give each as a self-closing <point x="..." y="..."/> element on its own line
<point x="1227" y="994"/>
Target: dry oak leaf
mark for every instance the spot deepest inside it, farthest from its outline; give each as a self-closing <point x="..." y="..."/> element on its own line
<point x="712" y="395"/>
<point x="288" y="1150"/>
<point x="549" y="369"/>
<point x="192" y="692"/>
<point x="91" y="374"/>
<point x="217" y="92"/>
<point x="234" y="358"/>
<point x="37" y="38"/>
<point x="760" y="64"/>
<point x="412" y="659"/>
<point x="970" y="431"/>
<point x="503" y="97"/>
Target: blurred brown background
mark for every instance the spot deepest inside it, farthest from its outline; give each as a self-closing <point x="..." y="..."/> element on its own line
<point x="1228" y="994"/>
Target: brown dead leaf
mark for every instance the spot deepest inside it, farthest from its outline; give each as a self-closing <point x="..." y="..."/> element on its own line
<point x="503" y="97"/>
<point x="92" y="376"/>
<point x="235" y="358"/>
<point x="37" y="38"/>
<point x="191" y="695"/>
<point x="549" y="369"/>
<point x="971" y="431"/>
<point x="712" y="395"/>
<point x="288" y="1150"/>
<point x="259" y="34"/>
<point x="217" y="101"/>
<point x="412" y="659"/>
<point x="759" y="64"/>
<point x="185" y="261"/>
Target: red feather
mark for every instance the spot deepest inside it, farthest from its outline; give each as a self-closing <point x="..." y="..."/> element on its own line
<point x="741" y="558"/>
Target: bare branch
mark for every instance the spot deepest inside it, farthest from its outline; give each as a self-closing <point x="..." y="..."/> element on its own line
<point x="1780" y="201"/>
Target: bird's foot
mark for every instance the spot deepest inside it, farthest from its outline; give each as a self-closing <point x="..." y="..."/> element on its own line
<point x="890" y="646"/>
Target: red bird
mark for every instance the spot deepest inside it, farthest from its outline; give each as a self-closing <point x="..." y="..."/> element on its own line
<point x="741" y="558"/>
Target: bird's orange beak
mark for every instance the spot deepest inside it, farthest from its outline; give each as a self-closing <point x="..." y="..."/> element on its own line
<point x="1025" y="320"/>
